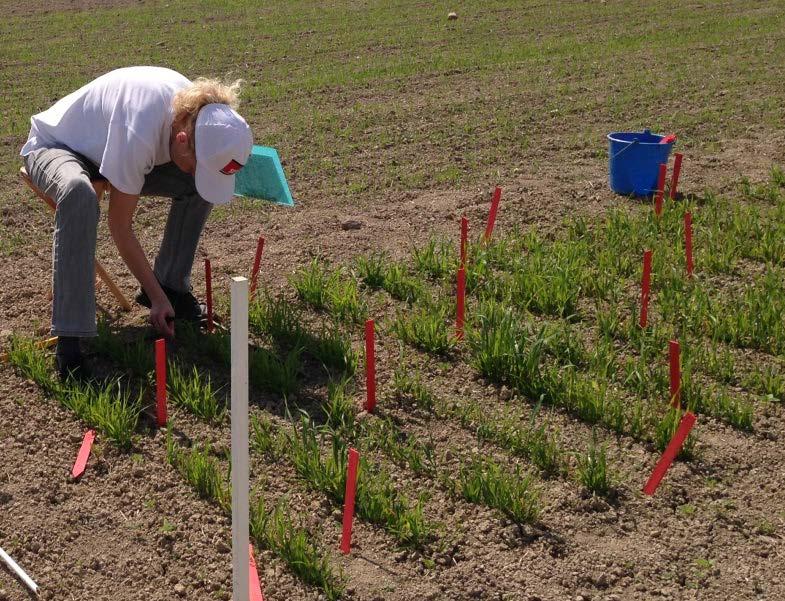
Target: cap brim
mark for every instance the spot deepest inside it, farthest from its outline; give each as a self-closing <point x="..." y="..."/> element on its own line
<point x="215" y="188"/>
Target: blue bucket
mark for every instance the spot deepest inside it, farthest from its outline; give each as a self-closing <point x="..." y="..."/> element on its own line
<point x="634" y="161"/>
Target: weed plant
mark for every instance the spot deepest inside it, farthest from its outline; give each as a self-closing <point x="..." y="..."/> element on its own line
<point x="202" y="471"/>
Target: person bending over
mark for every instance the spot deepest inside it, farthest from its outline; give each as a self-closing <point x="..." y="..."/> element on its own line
<point x="147" y="131"/>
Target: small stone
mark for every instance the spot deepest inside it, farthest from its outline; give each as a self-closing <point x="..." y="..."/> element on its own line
<point x="401" y="556"/>
<point x="351" y="224"/>
<point x="179" y="589"/>
<point x="222" y="547"/>
<point x="452" y="16"/>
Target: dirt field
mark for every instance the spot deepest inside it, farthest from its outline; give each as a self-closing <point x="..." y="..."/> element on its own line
<point x="134" y="528"/>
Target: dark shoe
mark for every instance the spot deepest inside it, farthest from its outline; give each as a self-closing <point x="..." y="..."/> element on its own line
<point x="70" y="361"/>
<point x="184" y="304"/>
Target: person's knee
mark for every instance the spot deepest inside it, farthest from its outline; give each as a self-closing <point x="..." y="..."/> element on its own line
<point x="78" y="196"/>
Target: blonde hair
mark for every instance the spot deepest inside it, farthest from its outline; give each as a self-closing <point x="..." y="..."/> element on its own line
<point x="189" y="101"/>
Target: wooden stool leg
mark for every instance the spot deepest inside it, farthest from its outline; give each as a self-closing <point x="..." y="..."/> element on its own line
<point x="100" y="187"/>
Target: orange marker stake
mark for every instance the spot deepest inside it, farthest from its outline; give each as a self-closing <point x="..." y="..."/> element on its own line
<point x="257" y="261"/>
<point x="688" y="242"/>
<point x="459" y="319"/>
<point x="497" y="195"/>
<point x="208" y="285"/>
<point x="674" y="353"/>
<point x="645" y="288"/>
<point x="370" y="366"/>
<point x="160" y="381"/>
<point x="464" y="238"/>
<point x="83" y="455"/>
<point x="254" y="585"/>
<point x="676" y="172"/>
<point x="673" y="448"/>
<point x="348" y="505"/>
<point x="660" y="190"/>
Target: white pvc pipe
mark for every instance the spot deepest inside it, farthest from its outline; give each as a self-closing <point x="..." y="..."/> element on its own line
<point x="18" y="571"/>
<point x="239" y="335"/>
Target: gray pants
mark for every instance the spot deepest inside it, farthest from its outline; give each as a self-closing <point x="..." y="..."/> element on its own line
<point x="65" y="177"/>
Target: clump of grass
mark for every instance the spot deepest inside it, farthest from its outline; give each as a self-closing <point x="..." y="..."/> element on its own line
<point x="377" y="499"/>
<point x="484" y="481"/>
<point x="137" y="356"/>
<point x="437" y="258"/>
<point x="412" y="389"/>
<point x="276" y="531"/>
<point x="592" y="469"/>
<point x="195" y="392"/>
<point x="372" y="269"/>
<point x="340" y="411"/>
<point x="202" y="471"/>
<point x="311" y="284"/>
<point x="401" y="286"/>
<point x="108" y="407"/>
<point x="384" y="435"/>
<point x="427" y="329"/>
<point x="267" y="439"/>
<point x="284" y="323"/>
<point x="268" y="372"/>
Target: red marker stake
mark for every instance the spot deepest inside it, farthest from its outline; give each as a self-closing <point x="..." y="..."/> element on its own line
<point x="686" y="424"/>
<point x="83" y="455"/>
<point x="464" y="238"/>
<point x="370" y="366"/>
<point x="676" y="171"/>
<point x="645" y="288"/>
<point x="208" y="284"/>
<point x="660" y="190"/>
<point x="254" y="585"/>
<point x="160" y="381"/>
<point x="348" y="505"/>
<point x="461" y="307"/>
<point x="673" y="351"/>
<point x="688" y="242"/>
<point x="256" y="263"/>
<point x="497" y="195"/>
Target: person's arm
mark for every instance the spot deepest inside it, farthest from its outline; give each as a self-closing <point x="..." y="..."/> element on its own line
<point x="122" y="207"/>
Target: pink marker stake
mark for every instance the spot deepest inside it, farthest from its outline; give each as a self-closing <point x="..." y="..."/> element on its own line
<point x="256" y="263"/>
<point x="676" y="172"/>
<point x="464" y="238"/>
<point x="370" y="366"/>
<point x="674" y="352"/>
<point x="160" y="381"/>
<point x="348" y="505"/>
<point x="688" y="242"/>
<point x="254" y="585"/>
<point x="461" y="306"/>
<point x="672" y="450"/>
<point x="208" y="284"/>
<point x="645" y="288"/>
<point x="660" y="190"/>
<point x="83" y="455"/>
<point x="497" y="195"/>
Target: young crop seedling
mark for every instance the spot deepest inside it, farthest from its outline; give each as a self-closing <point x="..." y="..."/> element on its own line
<point x="412" y="390"/>
<point x="592" y="469"/>
<point x="276" y="531"/>
<point x="436" y="259"/>
<point x="194" y="392"/>
<point x="202" y="471"/>
<point x="427" y="329"/>
<point x="484" y="481"/>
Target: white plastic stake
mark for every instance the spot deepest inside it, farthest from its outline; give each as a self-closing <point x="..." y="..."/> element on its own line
<point x="239" y="334"/>
<point x="18" y="571"/>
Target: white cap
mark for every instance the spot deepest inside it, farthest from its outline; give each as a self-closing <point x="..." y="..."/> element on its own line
<point x="223" y="145"/>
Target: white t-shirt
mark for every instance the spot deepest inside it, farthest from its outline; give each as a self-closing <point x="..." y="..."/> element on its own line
<point x="121" y="122"/>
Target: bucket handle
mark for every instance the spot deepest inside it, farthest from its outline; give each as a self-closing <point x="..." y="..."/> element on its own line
<point x="626" y="148"/>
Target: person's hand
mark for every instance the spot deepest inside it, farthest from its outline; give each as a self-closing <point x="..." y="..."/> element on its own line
<point x="162" y="318"/>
